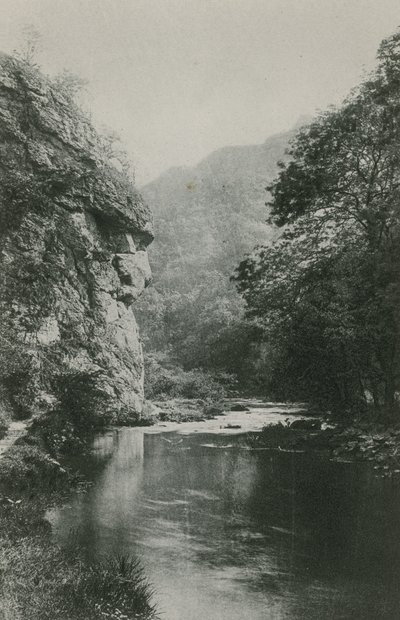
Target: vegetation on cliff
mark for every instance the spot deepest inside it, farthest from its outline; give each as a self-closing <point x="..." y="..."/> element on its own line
<point x="73" y="237"/>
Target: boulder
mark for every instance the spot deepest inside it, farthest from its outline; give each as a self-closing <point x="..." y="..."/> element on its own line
<point x="238" y="407"/>
<point x="306" y="425"/>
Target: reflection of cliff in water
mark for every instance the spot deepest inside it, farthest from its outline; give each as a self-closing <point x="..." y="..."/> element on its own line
<point x="226" y="532"/>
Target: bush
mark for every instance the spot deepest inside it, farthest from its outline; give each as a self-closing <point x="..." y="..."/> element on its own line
<point x="81" y="409"/>
<point x="58" y="436"/>
<point x="164" y="379"/>
<point x="28" y="467"/>
<point x="273" y="435"/>
<point x="40" y="583"/>
<point x="3" y="424"/>
<point x="112" y="588"/>
<point x="82" y="400"/>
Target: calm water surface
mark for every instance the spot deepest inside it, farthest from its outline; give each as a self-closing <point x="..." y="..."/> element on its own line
<point x="226" y="532"/>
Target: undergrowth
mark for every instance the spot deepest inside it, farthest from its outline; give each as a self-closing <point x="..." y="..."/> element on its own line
<point x="3" y="425"/>
<point x="41" y="581"/>
<point x="164" y="379"/>
<point x="38" y="579"/>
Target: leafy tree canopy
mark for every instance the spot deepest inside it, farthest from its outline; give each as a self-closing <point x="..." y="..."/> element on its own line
<point x="327" y="292"/>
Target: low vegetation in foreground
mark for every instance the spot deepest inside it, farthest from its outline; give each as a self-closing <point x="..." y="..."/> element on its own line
<point x="38" y="579"/>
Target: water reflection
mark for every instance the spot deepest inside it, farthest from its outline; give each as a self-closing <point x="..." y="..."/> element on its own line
<point x="229" y="533"/>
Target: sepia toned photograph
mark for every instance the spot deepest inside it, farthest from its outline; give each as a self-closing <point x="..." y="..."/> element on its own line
<point x="199" y="309"/>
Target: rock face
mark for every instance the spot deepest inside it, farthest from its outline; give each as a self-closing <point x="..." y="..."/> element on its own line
<point x="73" y="238"/>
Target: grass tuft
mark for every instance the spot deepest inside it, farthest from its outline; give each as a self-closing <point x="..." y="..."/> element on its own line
<point x="110" y="588"/>
<point x="39" y="581"/>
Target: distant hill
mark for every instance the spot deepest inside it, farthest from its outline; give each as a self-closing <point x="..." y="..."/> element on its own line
<point x="207" y="218"/>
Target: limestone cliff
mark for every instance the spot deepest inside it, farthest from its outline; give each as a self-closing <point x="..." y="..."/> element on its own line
<point x="73" y="238"/>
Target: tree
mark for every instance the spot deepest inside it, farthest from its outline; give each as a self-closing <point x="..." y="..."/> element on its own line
<point x="69" y="83"/>
<point x="30" y="45"/>
<point x="329" y="288"/>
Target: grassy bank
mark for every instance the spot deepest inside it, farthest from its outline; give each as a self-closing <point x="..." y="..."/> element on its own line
<point x="38" y="579"/>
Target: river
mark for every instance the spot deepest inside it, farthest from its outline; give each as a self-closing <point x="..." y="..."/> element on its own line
<point x="226" y="532"/>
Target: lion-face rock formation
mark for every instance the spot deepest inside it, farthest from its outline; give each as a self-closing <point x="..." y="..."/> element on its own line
<point x="73" y="260"/>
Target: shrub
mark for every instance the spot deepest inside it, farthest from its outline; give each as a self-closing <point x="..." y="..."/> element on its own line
<point x="28" y="467"/>
<point x="58" y="435"/>
<point x="274" y="435"/>
<point x="82" y="400"/>
<point x="81" y="408"/>
<point x="114" y="588"/>
<point x="163" y="379"/>
<point x="40" y="583"/>
<point x="3" y="424"/>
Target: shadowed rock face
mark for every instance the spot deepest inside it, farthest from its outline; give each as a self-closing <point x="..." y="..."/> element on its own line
<point x="73" y="260"/>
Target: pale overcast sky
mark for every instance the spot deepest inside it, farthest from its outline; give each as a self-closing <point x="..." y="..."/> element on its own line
<point x="179" y="78"/>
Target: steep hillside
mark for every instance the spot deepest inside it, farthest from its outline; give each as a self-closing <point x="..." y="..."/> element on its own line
<point x="206" y="218"/>
<point x="211" y="215"/>
<point x="73" y="237"/>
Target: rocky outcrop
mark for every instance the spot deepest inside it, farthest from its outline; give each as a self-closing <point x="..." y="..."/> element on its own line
<point x="73" y="238"/>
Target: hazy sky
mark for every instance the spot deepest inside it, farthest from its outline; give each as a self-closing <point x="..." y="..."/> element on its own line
<point x="179" y="78"/>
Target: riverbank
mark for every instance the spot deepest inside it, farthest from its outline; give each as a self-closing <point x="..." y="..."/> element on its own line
<point x="38" y="579"/>
<point x="226" y="531"/>
<point x="41" y="581"/>
<point x="185" y="410"/>
<point x="37" y="576"/>
<point x="376" y="444"/>
<point x="236" y="418"/>
<point x="181" y="410"/>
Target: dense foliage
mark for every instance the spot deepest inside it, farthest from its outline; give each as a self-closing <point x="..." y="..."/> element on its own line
<point x="326" y="293"/>
<point x="164" y="379"/>
<point x="206" y="219"/>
